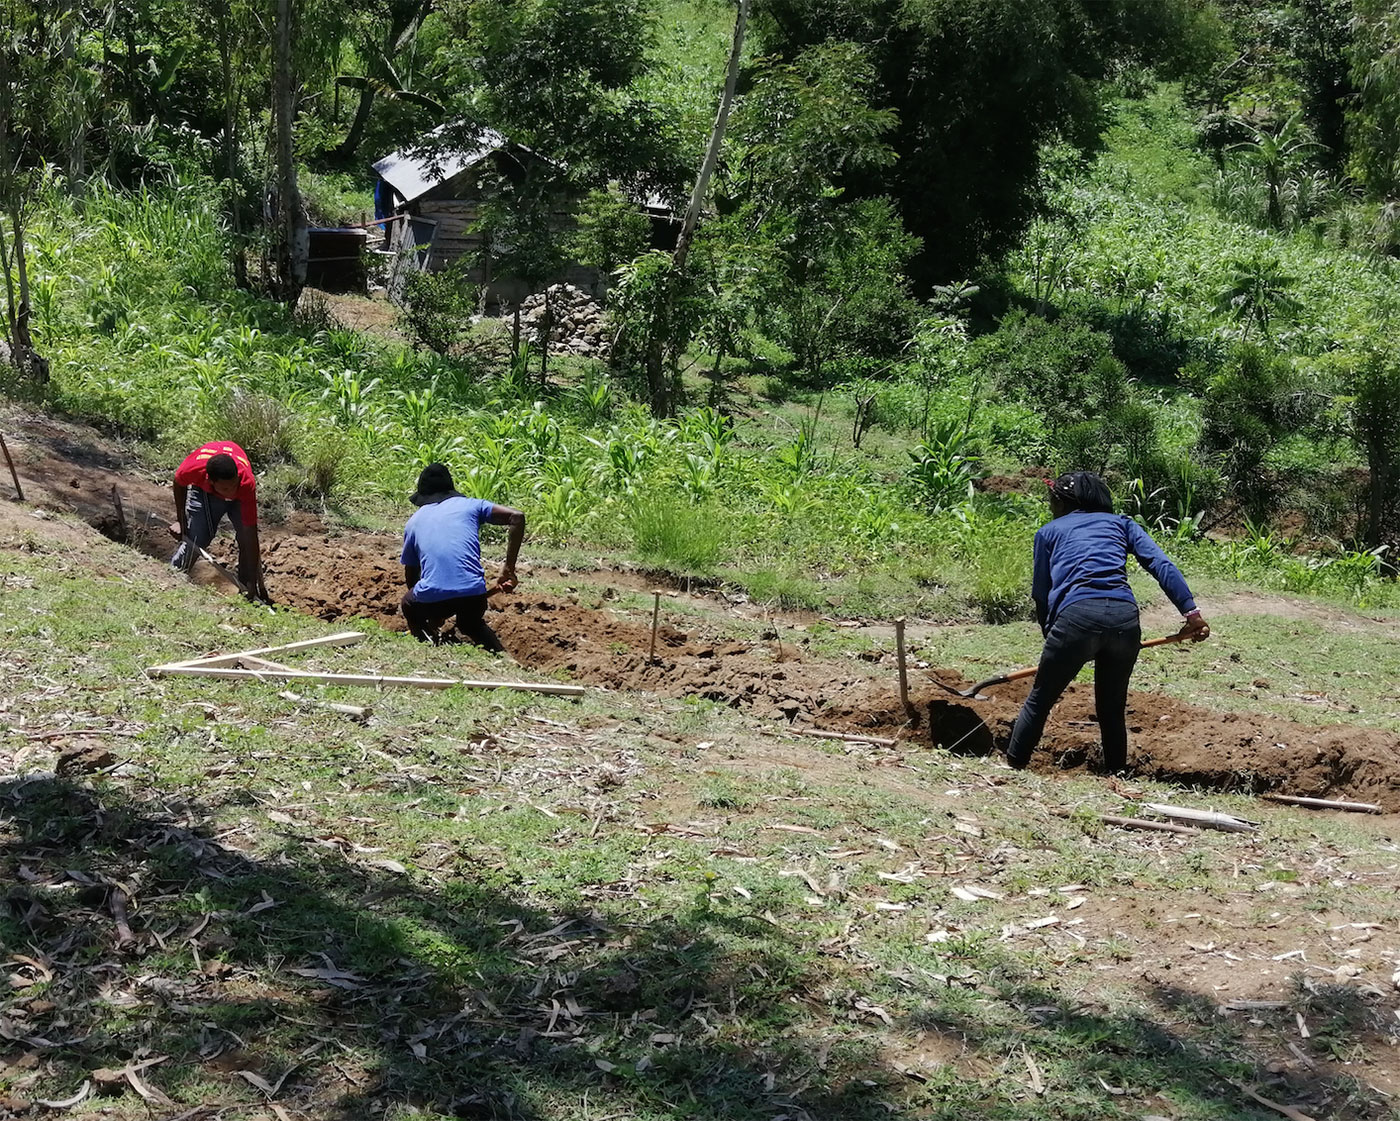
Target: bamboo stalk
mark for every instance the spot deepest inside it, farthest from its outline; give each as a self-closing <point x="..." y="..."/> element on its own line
<point x="364" y="679"/>
<point x="849" y="737"/>
<point x="341" y="638"/>
<point x="19" y="490"/>
<point x="1324" y="803"/>
<point x="655" y="618"/>
<point x="1208" y="818"/>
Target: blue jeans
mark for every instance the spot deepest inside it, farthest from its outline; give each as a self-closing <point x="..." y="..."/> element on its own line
<point x="203" y="513"/>
<point x="1106" y="632"/>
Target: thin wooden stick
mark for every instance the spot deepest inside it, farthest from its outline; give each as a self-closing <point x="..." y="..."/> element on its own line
<point x="1278" y="1107"/>
<point x="19" y="490"/>
<point x="655" y="617"/>
<point x="1139" y="823"/>
<point x="341" y="638"/>
<point x="1324" y="803"/>
<point x="364" y="679"/>
<point x="903" y="668"/>
<point x="850" y="737"/>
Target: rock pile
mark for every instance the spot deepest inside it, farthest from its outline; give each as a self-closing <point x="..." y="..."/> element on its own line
<point x="578" y="321"/>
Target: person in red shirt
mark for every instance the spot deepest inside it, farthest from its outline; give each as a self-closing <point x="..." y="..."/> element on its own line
<point x="215" y="480"/>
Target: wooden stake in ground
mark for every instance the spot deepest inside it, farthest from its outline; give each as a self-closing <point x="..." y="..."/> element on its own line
<point x="903" y="670"/>
<point x="19" y="490"/>
<point x="655" y="617"/>
<point x="124" y="535"/>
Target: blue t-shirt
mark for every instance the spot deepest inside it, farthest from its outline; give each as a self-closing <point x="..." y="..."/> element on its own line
<point x="1085" y="556"/>
<point x="443" y="539"/>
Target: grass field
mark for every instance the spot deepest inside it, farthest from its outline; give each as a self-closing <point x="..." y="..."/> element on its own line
<point x="481" y="904"/>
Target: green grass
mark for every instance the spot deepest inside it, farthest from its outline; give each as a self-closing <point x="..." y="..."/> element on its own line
<point x="598" y="912"/>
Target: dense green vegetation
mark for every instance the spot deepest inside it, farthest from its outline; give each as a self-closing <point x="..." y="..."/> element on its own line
<point x="1173" y="282"/>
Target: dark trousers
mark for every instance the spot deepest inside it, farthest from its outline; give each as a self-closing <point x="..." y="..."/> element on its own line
<point x="1106" y="632"/>
<point x="203" y="513"/>
<point x="424" y="619"/>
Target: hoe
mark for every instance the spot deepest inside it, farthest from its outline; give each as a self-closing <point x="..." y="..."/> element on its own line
<point x="1017" y="674"/>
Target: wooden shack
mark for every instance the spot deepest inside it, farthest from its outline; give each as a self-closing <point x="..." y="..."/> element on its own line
<point x="437" y="200"/>
<point x="431" y="201"/>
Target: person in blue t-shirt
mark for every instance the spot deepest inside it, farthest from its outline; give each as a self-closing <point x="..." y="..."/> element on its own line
<point x="1087" y="612"/>
<point x="442" y="559"/>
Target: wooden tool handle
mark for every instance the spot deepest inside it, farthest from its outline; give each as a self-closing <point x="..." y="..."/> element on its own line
<point x="1180" y="636"/>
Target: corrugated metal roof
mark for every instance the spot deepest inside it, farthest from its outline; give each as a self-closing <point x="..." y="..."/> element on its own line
<point x="413" y="174"/>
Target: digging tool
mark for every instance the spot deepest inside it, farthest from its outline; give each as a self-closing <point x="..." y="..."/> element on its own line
<point x="975" y="693"/>
<point x="207" y="557"/>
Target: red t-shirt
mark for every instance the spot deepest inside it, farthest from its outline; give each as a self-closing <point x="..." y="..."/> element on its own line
<point x="194" y="472"/>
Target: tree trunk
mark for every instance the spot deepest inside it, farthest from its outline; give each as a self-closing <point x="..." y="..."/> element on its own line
<point x="351" y="143"/>
<point x="546" y="329"/>
<point x="230" y="143"/>
<point x="16" y="268"/>
<point x="293" y="239"/>
<point x="658" y="385"/>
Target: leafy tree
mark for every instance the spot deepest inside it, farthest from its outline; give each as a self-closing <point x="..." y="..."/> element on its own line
<point x="1258" y="293"/>
<point x="1374" y="124"/>
<point x="1377" y="429"/>
<point x="1278" y="155"/>
<point x="978" y="86"/>
<point x="612" y="230"/>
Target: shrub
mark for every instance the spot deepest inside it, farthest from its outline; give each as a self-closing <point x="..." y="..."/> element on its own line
<point x="1064" y="370"/>
<point x="262" y="426"/>
<point x="1251" y="405"/>
<point x="438" y="306"/>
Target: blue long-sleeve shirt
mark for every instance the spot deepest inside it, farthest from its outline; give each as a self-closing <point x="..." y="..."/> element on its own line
<point x="1085" y="556"/>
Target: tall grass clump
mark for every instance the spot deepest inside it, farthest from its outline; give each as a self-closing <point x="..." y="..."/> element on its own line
<point x="678" y="536"/>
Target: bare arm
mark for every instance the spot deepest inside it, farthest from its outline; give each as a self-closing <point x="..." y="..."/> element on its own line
<point x="504" y="515"/>
<point x="181" y="492"/>
<point x="412" y="573"/>
<point x="250" y="569"/>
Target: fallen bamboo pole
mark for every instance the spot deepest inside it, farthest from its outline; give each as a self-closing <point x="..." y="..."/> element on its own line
<point x="364" y="679"/>
<point x="4" y="447"/>
<point x="849" y="737"/>
<point x="358" y="712"/>
<point x="1207" y="818"/>
<point x="341" y="638"/>
<point x="1324" y="803"/>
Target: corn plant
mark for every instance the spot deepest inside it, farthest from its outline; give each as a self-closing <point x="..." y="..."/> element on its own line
<point x="595" y="399"/>
<point x="349" y="399"/>
<point x="419" y="411"/>
<point x="943" y="469"/>
<point x="561" y="510"/>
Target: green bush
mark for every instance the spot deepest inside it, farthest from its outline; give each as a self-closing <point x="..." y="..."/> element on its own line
<point x="438" y="306"/>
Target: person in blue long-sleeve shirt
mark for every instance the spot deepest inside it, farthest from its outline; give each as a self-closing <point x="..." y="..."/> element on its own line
<point x="1087" y="612"/>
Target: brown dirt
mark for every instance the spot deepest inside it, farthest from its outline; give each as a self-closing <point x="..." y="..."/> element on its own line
<point x="357" y="575"/>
